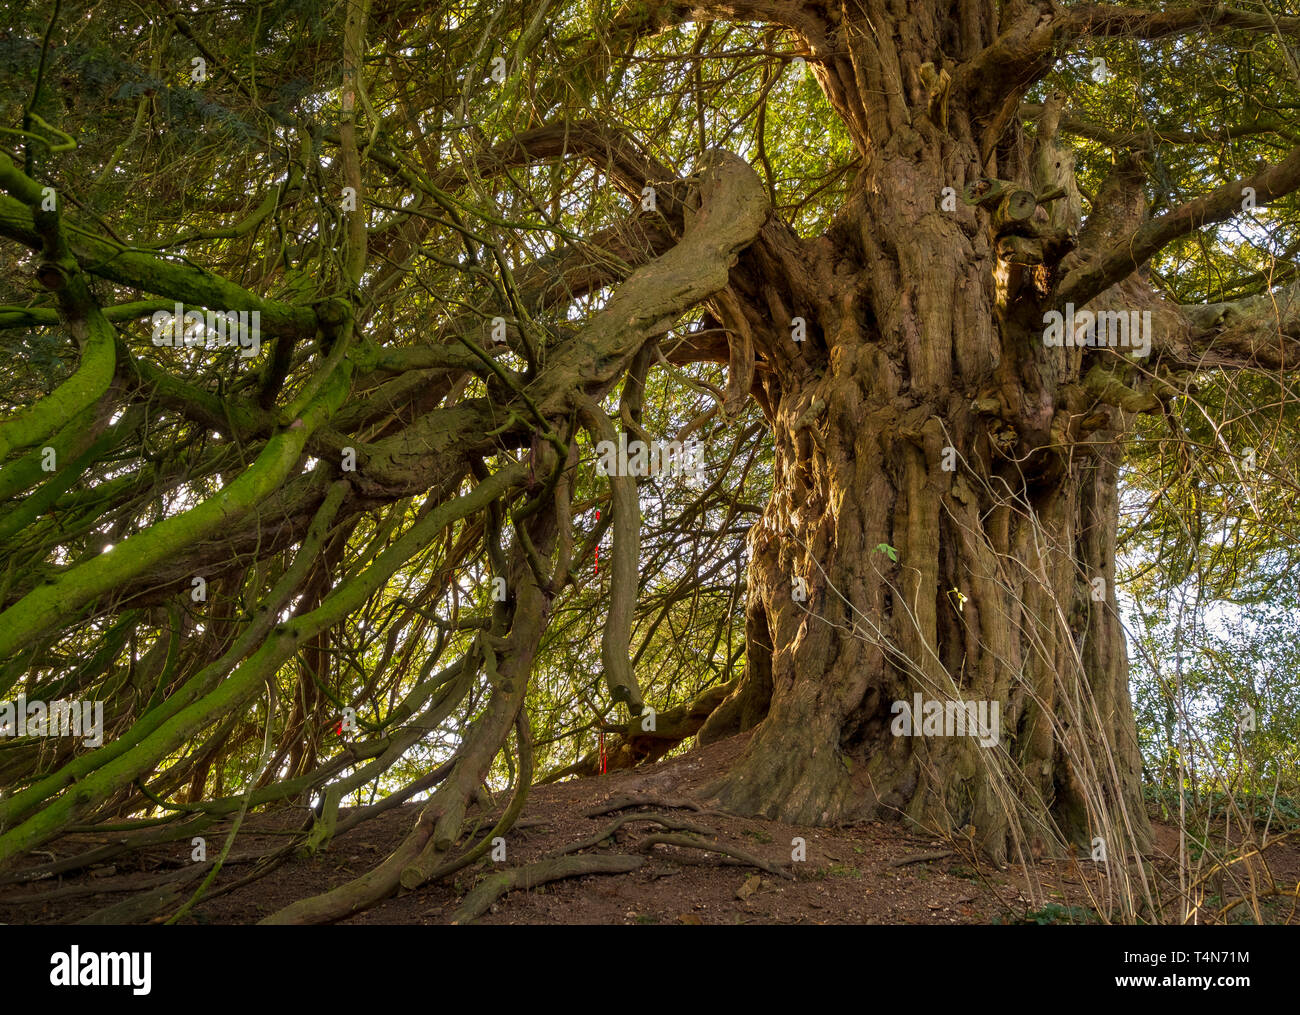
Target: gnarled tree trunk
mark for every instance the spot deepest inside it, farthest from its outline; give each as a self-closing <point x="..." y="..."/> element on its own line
<point x="945" y="491"/>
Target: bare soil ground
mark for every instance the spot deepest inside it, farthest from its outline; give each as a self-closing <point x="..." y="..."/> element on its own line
<point x="878" y="872"/>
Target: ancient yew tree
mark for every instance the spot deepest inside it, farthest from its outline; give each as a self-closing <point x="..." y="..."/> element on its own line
<point x="316" y="314"/>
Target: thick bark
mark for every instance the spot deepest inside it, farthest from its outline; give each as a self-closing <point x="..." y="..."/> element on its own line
<point x="925" y="420"/>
